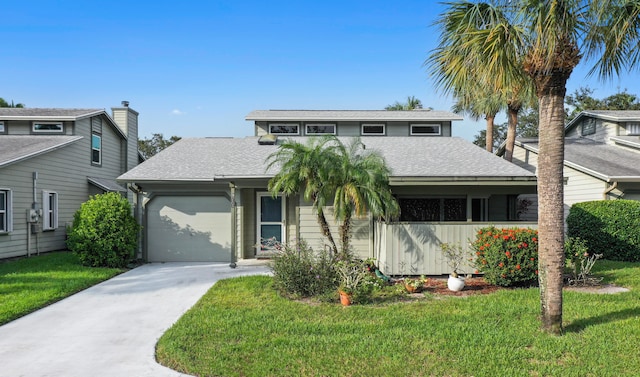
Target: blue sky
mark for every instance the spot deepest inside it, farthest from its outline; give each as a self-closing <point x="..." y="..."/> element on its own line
<point x="196" y="68"/>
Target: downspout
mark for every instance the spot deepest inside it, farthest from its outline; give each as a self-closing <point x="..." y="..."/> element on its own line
<point x="234" y="226"/>
<point x="139" y="198"/>
<point x="608" y="190"/>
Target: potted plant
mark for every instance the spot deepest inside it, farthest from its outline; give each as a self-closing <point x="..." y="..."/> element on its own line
<point x="414" y="285"/>
<point x="455" y="254"/>
<point x="352" y="275"/>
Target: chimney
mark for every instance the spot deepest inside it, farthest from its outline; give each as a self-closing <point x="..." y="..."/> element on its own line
<point x="127" y="119"/>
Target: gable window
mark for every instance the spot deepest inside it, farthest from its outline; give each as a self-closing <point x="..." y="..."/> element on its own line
<point x="433" y="209"/>
<point x="5" y="211"/>
<point x="2" y="130"/>
<point x="588" y="127"/>
<point x="96" y="149"/>
<point x="633" y="128"/>
<point x="47" y="127"/>
<point x="284" y="128"/>
<point x="320" y="129"/>
<point x="49" y="210"/>
<point x="425" y="129"/>
<point x="372" y="129"/>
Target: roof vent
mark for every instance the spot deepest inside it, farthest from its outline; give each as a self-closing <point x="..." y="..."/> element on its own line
<point x="125" y="103"/>
<point x="269" y="139"/>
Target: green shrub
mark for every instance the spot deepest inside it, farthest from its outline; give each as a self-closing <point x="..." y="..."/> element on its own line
<point x="507" y="257"/>
<point x="104" y="233"/>
<point x="300" y="272"/>
<point x="609" y="227"/>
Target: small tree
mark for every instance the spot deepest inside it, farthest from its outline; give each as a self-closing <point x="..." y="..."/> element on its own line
<point x="104" y="233"/>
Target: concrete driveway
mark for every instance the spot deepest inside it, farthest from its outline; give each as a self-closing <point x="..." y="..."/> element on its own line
<point x="110" y="329"/>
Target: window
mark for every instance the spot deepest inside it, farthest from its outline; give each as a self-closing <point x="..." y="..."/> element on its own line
<point x="433" y="209"/>
<point x="373" y="128"/>
<point x="49" y="210"/>
<point x="479" y="209"/>
<point x="2" y="128"/>
<point x="96" y="149"/>
<point x="47" y="127"/>
<point x="5" y="211"/>
<point x="320" y="129"/>
<point x="588" y="127"/>
<point x="425" y="129"/>
<point x="633" y="129"/>
<point x="284" y="128"/>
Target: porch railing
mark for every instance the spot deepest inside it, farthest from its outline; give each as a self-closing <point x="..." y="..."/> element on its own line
<point x="414" y="248"/>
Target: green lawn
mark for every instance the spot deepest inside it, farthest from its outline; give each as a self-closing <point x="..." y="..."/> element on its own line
<point x="241" y="327"/>
<point x="31" y="283"/>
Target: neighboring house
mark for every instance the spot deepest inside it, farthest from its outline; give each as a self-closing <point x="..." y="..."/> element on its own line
<point x="51" y="161"/>
<point x="601" y="156"/>
<point x="207" y="198"/>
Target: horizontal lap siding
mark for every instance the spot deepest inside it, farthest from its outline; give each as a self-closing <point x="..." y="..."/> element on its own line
<point x="63" y="171"/>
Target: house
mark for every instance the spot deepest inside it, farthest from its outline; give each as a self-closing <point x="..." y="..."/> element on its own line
<point x="51" y="161"/>
<point x="207" y="198"/>
<point x="602" y="156"/>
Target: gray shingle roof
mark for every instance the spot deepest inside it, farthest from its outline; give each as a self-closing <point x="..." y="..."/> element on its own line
<point x="351" y="115"/>
<point x="207" y="159"/>
<point x="106" y="184"/>
<point x="605" y="161"/>
<point x="7" y="113"/>
<point x="14" y="148"/>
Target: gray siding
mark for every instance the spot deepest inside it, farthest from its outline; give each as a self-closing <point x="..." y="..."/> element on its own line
<point x="65" y="172"/>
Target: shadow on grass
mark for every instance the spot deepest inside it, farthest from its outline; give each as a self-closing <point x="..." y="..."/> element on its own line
<point x="579" y="325"/>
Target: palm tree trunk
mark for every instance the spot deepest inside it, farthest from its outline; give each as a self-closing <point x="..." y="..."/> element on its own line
<point x="550" y="201"/>
<point x="489" y="118"/>
<point x="345" y="235"/>
<point x="512" y="114"/>
<point x="326" y="231"/>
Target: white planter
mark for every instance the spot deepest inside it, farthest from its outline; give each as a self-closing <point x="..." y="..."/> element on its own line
<point x="455" y="283"/>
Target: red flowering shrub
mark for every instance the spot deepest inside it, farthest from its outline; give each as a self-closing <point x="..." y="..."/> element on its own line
<point x="507" y="257"/>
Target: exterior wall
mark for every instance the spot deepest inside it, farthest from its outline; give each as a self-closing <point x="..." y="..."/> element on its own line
<point x="63" y="171"/>
<point x="604" y="130"/>
<point x="413" y="248"/>
<point x="353" y="128"/>
<point x="23" y="127"/>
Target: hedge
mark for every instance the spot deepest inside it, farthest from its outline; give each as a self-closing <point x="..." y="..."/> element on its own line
<point x="609" y="227"/>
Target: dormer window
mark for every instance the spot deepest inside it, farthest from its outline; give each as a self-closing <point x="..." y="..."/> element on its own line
<point x="47" y="127"/>
<point x="633" y="129"/>
<point x="284" y="128"/>
<point x="373" y="129"/>
<point x="588" y="127"/>
<point x="320" y="128"/>
<point x="426" y="129"/>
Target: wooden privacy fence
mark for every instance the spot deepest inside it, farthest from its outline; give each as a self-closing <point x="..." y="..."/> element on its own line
<point x="414" y="248"/>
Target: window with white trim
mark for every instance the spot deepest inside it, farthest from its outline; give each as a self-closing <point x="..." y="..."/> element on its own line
<point x="588" y="127"/>
<point x="6" y="223"/>
<point x="320" y="128"/>
<point x="426" y="129"/>
<point x="47" y="127"/>
<point x="2" y="130"/>
<point x="49" y="210"/>
<point x="372" y="129"/>
<point x="633" y="128"/>
<point x="433" y="209"/>
<point x="284" y="128"/>
<point x="96" y="149"/>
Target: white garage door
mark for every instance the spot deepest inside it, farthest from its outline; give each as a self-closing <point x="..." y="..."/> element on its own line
<point x="189" y="229"/>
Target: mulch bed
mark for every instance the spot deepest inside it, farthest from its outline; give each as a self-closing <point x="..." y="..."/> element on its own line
<point x="473" y="286"/>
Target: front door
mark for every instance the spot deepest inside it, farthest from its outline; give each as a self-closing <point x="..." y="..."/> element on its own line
<point x="270" y="222"/>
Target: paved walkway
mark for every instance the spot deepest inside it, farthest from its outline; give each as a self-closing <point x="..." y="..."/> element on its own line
<point x="110" y="329"/>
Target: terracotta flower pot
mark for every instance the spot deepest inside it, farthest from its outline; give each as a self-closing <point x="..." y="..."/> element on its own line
<point x="345" y="298"/>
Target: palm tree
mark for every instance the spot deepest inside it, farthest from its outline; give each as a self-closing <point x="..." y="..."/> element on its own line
<point x="307" y="169"/>
<point x="459" y="63"/>
<point x="479" y="105"/>
<point x="552" y="36"/>
<point x="362" y="188"/>
<point x="411" y="104"/>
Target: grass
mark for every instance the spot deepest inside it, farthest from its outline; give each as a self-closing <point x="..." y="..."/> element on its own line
<point x="29" y="284"/>
<point x="241" y="327"/>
